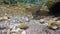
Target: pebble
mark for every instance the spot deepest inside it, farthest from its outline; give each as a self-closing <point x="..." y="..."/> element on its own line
<point x="3" y="18"/>
<point x="42" y="20"/>
<point x="54" y="27"/>
<point x="16" y="30"/>
<point x="23" y="32"/>
<point x="58" y="22"/>
<point x="55" y="18"/>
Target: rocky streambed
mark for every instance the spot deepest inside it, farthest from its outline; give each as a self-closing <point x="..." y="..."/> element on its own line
<point x="9" y="25"/>
<point x="26" y="24"/>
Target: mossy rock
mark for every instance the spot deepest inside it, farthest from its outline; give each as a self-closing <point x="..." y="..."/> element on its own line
<point x="42" y="20"/>
<point x="23" y="26"/>
<point x="52" y="24"/>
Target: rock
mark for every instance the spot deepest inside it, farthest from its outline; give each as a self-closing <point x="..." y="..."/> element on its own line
<point x="55" y="18"/>
<point x="52" y="24"/>
<point x="25" y="18"/>
<point x="20" y="21"/>
<point x="23" y="32"/>
<point x="10" y="26"/>
<point x="16" y="33"/>
<point x="16" y="30"/>
<point x="42" y="20"/>
<point x="23" y="26"/>
<point x="54" y="27"/>
<point x="58" y="22"/>
<point x="4" y="18"/>
<point x="46" y="24"/>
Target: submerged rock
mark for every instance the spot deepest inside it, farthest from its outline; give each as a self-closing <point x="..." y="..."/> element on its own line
<point x="42" y="20"/>
<point x="4" y="18"/>
<point x="52" y="24"/>
<point x="23" y="26"/>
<point x="23" y="32"/>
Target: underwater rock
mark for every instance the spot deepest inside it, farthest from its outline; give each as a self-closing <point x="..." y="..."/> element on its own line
<point x="16" y="33"/>
<point x="24" y="18"/>
<point x="4" y="18"/>
<point x="52" y="24"/>
<point x="23" y="32"/>
<point x="42" y="20"/>
<point x="16" y="30"/>
<point x="23" y="26"/>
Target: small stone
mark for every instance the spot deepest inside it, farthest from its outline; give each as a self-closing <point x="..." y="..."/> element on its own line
<point x="42" y="20"/>
<point x="54" y="27"/>
<point x="5" y="17"/>
<point x="16" y="33"/>
<point x="1" y="18"/>
<point x="52" y="24"/>
<point x="23" y="32"/>
<point x="6" y="14"/>
<point x="55" y="18"/>
<point x="10" y="26"/>
<point x="16" y="30"/>
<point x="26" y="19"/>
<point x="23" y="26"/>
<point x="20" y="21"/>
<point x="58" y="22"/>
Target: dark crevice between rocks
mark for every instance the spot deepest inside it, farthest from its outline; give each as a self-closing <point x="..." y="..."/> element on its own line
<point x="37" y="15"/>
<point x="55" y="9"/>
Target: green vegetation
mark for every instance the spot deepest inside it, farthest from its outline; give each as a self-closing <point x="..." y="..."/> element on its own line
<point x="14" y="2"/>
<point x="49" y="3"/>
<point x="24" y="2"/>
<point x="21" y="5"/>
